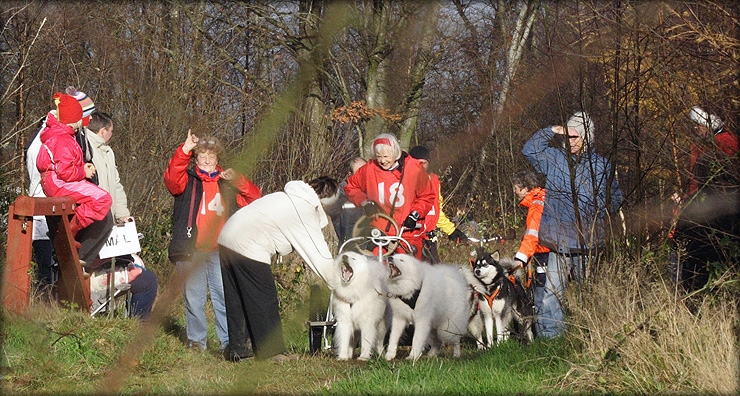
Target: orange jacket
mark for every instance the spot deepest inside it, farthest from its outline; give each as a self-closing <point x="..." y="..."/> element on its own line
<point x="534" y="201"/>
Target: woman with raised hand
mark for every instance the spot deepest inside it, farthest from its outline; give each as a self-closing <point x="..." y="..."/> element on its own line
<point x="205" y="196"/>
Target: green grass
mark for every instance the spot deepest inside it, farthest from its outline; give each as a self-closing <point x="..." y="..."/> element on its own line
<point x="662" y="344"/>
<point x="57" y="351"/>
<point x="507" y="369"/>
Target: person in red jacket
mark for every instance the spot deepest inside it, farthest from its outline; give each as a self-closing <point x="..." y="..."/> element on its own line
<point x="436" y="218"/>
<point x="205" y="196"/>
<point x="706" y="217"/>
<point x="527" y="189"/>
<point x="715" y="142"/>
<point x="396" y="184"/>
<point x="63" y="171"/>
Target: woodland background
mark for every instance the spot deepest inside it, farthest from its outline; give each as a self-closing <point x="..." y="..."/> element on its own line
<point x="297" y="88"/>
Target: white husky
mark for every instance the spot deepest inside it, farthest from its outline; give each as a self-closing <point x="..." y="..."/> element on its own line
<point x="359" y="303"/>
<point x="434" y="298"/>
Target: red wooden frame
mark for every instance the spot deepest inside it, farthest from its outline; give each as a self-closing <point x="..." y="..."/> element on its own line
<point x="72" y="285"/>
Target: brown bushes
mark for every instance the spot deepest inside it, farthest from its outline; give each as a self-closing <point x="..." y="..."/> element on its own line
<point x="638" y="334"/>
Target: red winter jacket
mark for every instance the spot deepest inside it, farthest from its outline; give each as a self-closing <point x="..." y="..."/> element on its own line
<point x="59" y="139"/>
<point x="725" y="142"/>
<point x="202" y="204"/>
<point x="408" y="184"/>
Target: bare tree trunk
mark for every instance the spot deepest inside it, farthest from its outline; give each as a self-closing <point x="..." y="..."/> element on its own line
<point x="518" y="36"/>
<point x="379" y="63"/>
<point x="418" y="69"/>
<point x="313" y="108"/>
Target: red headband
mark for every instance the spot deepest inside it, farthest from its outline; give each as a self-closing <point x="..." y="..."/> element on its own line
<point x="382" y="140"/>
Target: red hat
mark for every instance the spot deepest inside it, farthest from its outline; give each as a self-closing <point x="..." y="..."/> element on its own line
<point x="69" y="110"/>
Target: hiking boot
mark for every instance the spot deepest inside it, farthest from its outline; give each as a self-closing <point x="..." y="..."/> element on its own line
<point x="284" y="357"/>
<point x="196" y="347"/>
<point x="231" y="356"/>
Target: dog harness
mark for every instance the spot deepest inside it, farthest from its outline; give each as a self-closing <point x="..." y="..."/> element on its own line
<point x="411" y="302"/>
<point x="490" y="297"/>
<point x="529" y="276"/>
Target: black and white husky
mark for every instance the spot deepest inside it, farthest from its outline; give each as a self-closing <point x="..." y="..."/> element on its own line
<point x="498" y="299"/>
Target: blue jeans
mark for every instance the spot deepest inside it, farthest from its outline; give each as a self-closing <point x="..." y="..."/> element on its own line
<point x="549" y="299"/>
<point x="143" y="294"/>
<point x="204" y="275"/>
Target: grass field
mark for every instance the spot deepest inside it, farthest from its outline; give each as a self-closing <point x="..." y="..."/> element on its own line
<point x="630" y="333"/>
<point x="53" y="350"/>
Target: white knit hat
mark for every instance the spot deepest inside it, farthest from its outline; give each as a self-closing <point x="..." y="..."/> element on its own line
<point x="701" y="117"/>
<point x="582" y="123"/>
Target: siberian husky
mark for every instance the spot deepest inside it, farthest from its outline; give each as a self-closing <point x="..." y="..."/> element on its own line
<point x="431" y="297"/>
<point x="359" y="304"/>
<point x="496" y="298"/>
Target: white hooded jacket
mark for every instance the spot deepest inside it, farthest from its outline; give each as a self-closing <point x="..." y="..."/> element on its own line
<point x="278" y="223"/>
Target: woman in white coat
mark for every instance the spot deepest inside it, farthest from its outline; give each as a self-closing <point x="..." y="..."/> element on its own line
<point x="274" y="224"/>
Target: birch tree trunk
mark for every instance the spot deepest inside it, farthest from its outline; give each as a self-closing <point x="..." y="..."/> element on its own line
<point x="516" y="36"/>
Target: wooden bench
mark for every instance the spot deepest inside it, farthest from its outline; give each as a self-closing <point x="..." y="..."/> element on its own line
<point x="72" y="285"/>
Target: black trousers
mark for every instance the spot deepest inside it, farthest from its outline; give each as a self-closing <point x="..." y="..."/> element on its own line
<point x="252" y="309"/>
<point x="43" y="254"/>
<point x="92" y="239"/>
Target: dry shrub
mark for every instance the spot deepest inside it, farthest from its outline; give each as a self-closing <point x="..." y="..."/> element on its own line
<point x="638" y="335"/>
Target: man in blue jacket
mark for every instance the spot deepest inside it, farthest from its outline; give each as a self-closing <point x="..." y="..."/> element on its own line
<point x="582" y="192"/>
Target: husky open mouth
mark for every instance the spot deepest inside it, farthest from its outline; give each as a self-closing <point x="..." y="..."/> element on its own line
<point x="395" y="272"/>
<point x="347" y="271"/>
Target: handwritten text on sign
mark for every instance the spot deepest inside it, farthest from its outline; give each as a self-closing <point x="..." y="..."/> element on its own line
<point x="123" y="240"/>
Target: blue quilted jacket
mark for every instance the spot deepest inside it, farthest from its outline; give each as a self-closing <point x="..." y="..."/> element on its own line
<point x="589" y="186"/>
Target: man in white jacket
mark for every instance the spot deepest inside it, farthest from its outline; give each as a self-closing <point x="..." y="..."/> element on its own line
<point x="275" y="224"/>
<point x="43" y="250"/>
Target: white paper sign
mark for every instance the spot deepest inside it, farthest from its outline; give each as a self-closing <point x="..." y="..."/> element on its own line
<point x="123" y="239"/>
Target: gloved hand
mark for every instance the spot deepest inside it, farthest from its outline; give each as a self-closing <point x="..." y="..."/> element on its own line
<point x="410" y="222"/>
<point x="520" y="263"/>
<point x="371" y="208"/>
<point x="458" y="236"/>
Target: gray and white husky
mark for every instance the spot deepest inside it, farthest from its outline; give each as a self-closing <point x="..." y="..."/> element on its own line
<point x="431" y="297"/>
<point x="497" y="298"/>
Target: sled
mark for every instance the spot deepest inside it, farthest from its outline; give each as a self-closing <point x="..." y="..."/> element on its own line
<point x="377" y="236"/>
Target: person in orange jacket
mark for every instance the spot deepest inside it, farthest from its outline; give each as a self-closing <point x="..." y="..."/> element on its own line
<point x="532" y="196"/>
<point x="713" y="141"/>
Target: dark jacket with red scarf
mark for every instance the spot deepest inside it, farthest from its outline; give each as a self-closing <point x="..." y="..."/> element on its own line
<point x="234" y="194"/>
